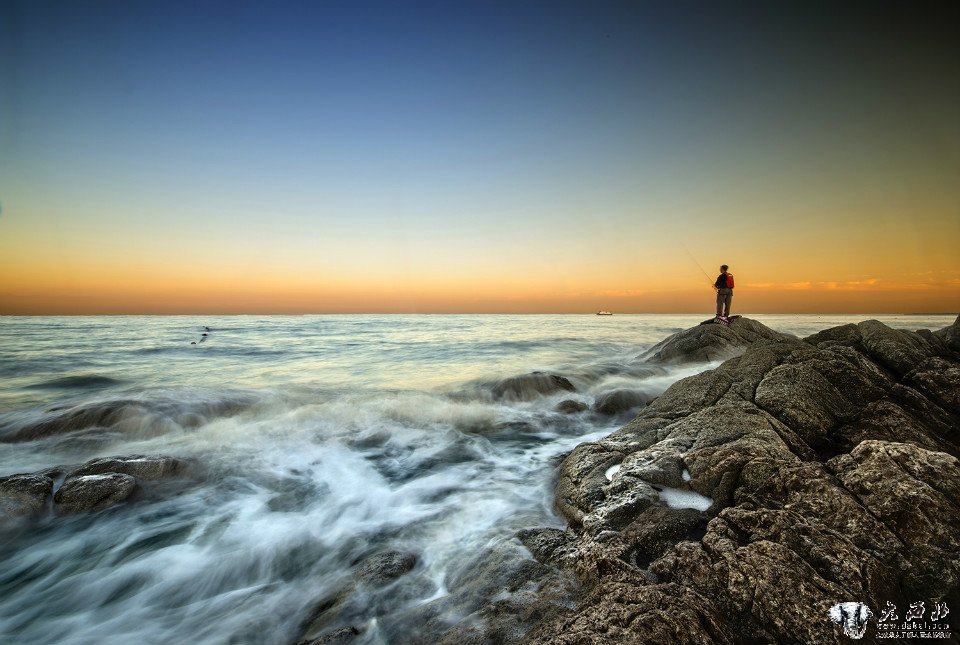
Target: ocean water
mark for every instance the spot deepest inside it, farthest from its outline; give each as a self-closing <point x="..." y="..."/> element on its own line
<point x="322" y="440"/>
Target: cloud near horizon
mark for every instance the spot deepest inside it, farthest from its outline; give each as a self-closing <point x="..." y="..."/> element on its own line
<point x="865" y="285"/>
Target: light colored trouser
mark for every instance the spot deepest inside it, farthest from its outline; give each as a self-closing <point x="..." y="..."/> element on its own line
<point x="724" y="296"/>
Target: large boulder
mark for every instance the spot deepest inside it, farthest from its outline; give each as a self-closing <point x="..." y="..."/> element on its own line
<point x="950" y="336"/>
<point x="620" y="401"/>
<point x="895" y="350"/>
<point x="93" y="492"/>
<point x="531" y="386"/>
<point x="94" y="485"/>
<point x="710" y="341"/>
<point x="569" y="406"/>
<point x="774" y="574"/>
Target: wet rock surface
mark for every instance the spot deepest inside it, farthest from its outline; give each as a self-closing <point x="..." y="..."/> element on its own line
<point x="709" y="341"/>
<point x="496" y="596"/>
<point x="569" y="406"/>
<point x="531" y="386"/>
<point x="139" y="466"/>
<point x="60" y="420"/>
<point x="95" y="485"/>
<point x="383" y="568"/>
<point x="128" y="417"/>
<point x="358" y="596"/>
<point x="340" y="636"/>
<point x="23" y="495"/>
<point x="93" y="492"/>
<point x="620" y="401"/>
<point x="830" y="467"/>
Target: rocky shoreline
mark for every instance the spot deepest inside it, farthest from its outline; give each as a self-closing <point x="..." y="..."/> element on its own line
<point x="737" y="507"/>
<point x="740" y="505"/>
<point x="831" y="463"/>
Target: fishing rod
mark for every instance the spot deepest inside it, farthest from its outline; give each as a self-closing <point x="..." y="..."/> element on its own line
<point x="694" y="260"/>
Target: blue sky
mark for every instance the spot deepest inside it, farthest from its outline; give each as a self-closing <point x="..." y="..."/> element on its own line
<point x="383" y="143"/>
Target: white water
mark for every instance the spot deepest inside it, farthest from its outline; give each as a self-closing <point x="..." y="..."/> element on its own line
<point x="679" y="498"/>
<point x="324" y="439"/>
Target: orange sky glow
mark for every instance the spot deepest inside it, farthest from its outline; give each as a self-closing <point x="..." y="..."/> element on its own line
<point x="170" y="165"/>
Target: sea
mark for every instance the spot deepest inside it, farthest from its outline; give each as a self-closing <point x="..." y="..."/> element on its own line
<point x="322" y="440"/>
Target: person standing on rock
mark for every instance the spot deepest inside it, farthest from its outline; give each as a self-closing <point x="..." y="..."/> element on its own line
<point x="724" y="287"/>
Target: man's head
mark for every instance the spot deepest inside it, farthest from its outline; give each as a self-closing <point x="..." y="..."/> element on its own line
<point x="723" y="268"/>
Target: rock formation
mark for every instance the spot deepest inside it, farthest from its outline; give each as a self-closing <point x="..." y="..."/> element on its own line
<point x="93" y="492"/>
<point x="569" y="406"/>
<point x="324" y="625"/>
<point x="530" y="386"/>
<point x="828" y="470"/>
<point x="619" y="401"/>
<point x="120" y="416"/>
<point x="24" y="495"/>
<point x="709" y="341"/>
<point x="95" y="485"/>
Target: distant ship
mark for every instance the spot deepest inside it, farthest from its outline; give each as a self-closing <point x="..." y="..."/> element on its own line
<point x="604" y="313"/>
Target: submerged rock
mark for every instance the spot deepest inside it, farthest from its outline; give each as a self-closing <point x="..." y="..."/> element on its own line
<point x="495" y="597"/>
<point x="139" y="466"/>
<point x="380" y="569"/>
<point x="340" y="636"/>
<point x="356" y="599"/>
<point x="23" y="495"/>
<point x="550" y="546"/>
<point x="57" y="421"/>
<point x="93" y="492"/>
<point x="531" y="386"/>
<point x="619" y="401"/>
<point x="95" y="485"/>
<point x="127" y="416"/>
<point x="569" y="406"/>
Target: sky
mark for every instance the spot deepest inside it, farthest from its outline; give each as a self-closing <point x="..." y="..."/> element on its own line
<point x="517" y="157"/>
